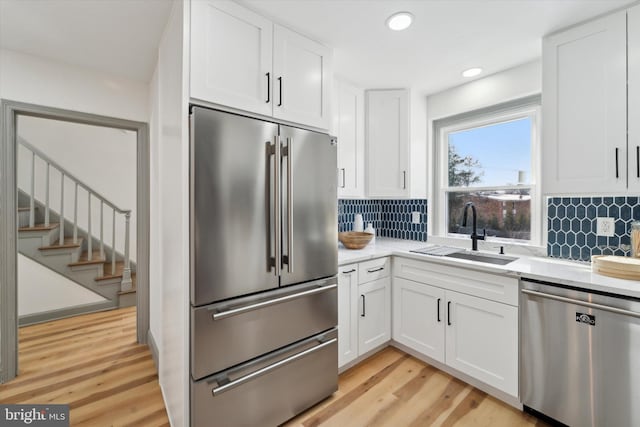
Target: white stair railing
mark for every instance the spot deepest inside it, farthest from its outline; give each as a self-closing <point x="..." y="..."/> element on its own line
<point x="126" y="283"/>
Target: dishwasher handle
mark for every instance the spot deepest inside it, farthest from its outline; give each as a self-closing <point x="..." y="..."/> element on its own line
<point x="582" y="303"/>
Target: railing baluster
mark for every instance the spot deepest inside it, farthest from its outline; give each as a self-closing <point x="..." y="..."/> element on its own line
<point x="89" y="235"/>
<point x="61" y="208"/>
<point x="75" y="215"/>
<point x="126" y="283"/>
<point x="46" y="204"/>
<point x="32" y="207"/>
<point x="101" y="229"/>
<point x="113" y="245"/>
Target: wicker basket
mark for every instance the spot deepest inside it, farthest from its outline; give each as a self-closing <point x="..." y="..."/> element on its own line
<point x="354" y="239"/>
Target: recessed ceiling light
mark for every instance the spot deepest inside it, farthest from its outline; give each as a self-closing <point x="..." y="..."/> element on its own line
<point x="399" y="21"/>
<point x="471" y="72"/>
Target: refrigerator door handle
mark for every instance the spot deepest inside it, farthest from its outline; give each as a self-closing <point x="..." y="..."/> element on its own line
<point x="244" y="309"/>
<point x="276" y="204"/>
<point x="289" y="258"/>
<point x="267" y="369"/>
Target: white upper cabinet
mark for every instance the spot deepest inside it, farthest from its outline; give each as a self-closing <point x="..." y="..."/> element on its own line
<point x="242" y="60"/>
<point x="387" y="143"/>
<point x="231" y="52"/>
<point x="584" y="90"/>
<point x="348" y="113"/>
<point x="301" y="69"/>
<point x="634" y="98"/>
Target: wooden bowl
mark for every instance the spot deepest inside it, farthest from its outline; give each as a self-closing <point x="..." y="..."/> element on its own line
<point x="355" y="239"/>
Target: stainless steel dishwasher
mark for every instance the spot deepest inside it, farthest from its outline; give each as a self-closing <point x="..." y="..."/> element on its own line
<point x="580" y="355"/>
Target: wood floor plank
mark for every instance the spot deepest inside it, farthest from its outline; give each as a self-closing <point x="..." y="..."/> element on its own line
<point x="92" y="363"/>
<point x="394" y="389"/>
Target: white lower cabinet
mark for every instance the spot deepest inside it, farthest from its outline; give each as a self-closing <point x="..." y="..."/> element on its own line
<point x="470" y="333"/>
<point x="482" y="340"/>
<point x="347" y="308"/>
<point x="364" y="308"/>
<point x="374" y="325"/>
<point x="418" y="317"/>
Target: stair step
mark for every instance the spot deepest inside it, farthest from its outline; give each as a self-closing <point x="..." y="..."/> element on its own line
<point x="26" y="209"/>
<point x="40" y="227"/>
<point x="118" y="273"/>
<point x="83" y="260"/>
<point x="68" y="243"/>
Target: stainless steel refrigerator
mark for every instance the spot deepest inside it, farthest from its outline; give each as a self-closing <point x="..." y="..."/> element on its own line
<point x="263" y="269"/>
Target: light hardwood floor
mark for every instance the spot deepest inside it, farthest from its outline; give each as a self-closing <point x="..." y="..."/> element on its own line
<point x="93" y="364"/>
<point x="392" y="388"/>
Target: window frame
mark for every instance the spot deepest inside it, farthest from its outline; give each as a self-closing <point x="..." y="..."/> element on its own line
<point x="529" y="107"/>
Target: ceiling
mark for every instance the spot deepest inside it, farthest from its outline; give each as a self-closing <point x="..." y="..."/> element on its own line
<point x="118" y="37"/>
<point x="447" y="36"/>
<point x="121" y="37"/>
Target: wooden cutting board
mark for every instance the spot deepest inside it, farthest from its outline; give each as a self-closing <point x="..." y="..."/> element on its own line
<point x="616" y="266"/>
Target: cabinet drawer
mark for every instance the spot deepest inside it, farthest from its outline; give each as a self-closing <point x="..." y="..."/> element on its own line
<point x="374" y="269"/>
<point x="484" y="285"/>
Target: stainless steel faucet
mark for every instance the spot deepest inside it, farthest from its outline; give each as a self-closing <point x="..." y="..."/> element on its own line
<point x="474" y="232"/>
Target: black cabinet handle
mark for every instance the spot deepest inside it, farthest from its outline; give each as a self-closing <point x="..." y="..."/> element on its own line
<point x="449" y="313"/>
<point x="438" y="309"/>
<point x="363" y="301"/>
<point x="617" y="174"/>
<point x="373" y="270"/>
<point x="268" y="88"/>
<point x="280" y="91"/>
<point x="638" y="161"/>
<point x="349" y="271"/>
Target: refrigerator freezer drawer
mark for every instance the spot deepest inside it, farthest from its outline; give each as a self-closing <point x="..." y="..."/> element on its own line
<point x="225" y="334"/>
<point x="270" y="390"/>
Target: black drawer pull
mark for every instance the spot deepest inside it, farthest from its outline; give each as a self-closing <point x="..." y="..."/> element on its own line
<point x="373" y="270"/>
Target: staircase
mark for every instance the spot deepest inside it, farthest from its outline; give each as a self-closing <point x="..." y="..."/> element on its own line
<point x="81" y="255"/>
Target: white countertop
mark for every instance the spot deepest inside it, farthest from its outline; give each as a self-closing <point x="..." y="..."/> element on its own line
<point x="570" y="273"/>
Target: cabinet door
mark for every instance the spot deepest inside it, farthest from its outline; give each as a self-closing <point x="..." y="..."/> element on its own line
<point x="349" y="112"/>
<point x="231" y="56"/>
<point x="302" y="69"/>
<point x="347" y="314"/>
<point x="418" y="317"/>
<point x="387" y="142"/>
<point x="585" y="106"/>
<point x="482" y="340"/>
<point x="634" y="98"/>
<point x="374" y="322"/>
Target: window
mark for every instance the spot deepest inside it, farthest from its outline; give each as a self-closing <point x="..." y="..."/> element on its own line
<point x="488" y="158"/>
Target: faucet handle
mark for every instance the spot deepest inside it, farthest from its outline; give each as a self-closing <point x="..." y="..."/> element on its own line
<point x="484" y="234"/>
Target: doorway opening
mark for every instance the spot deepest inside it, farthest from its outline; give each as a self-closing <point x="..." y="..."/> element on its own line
<point x="74" y="220"/>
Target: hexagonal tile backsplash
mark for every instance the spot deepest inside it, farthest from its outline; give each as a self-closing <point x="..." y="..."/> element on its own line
<point x="390" y="218"/>
<point x="572" y="226"/>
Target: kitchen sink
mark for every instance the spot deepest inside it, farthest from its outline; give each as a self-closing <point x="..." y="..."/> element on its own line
<point x="479" y="257"/>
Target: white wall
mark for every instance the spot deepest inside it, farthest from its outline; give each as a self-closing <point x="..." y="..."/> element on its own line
<point x="41" y="289"/>
<point x="514" y="83"/>
<point x="170" y="218"/>
<point x="418" y="142"/>
<point x="35" y="80"/>
<point x="103" y="158"/>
